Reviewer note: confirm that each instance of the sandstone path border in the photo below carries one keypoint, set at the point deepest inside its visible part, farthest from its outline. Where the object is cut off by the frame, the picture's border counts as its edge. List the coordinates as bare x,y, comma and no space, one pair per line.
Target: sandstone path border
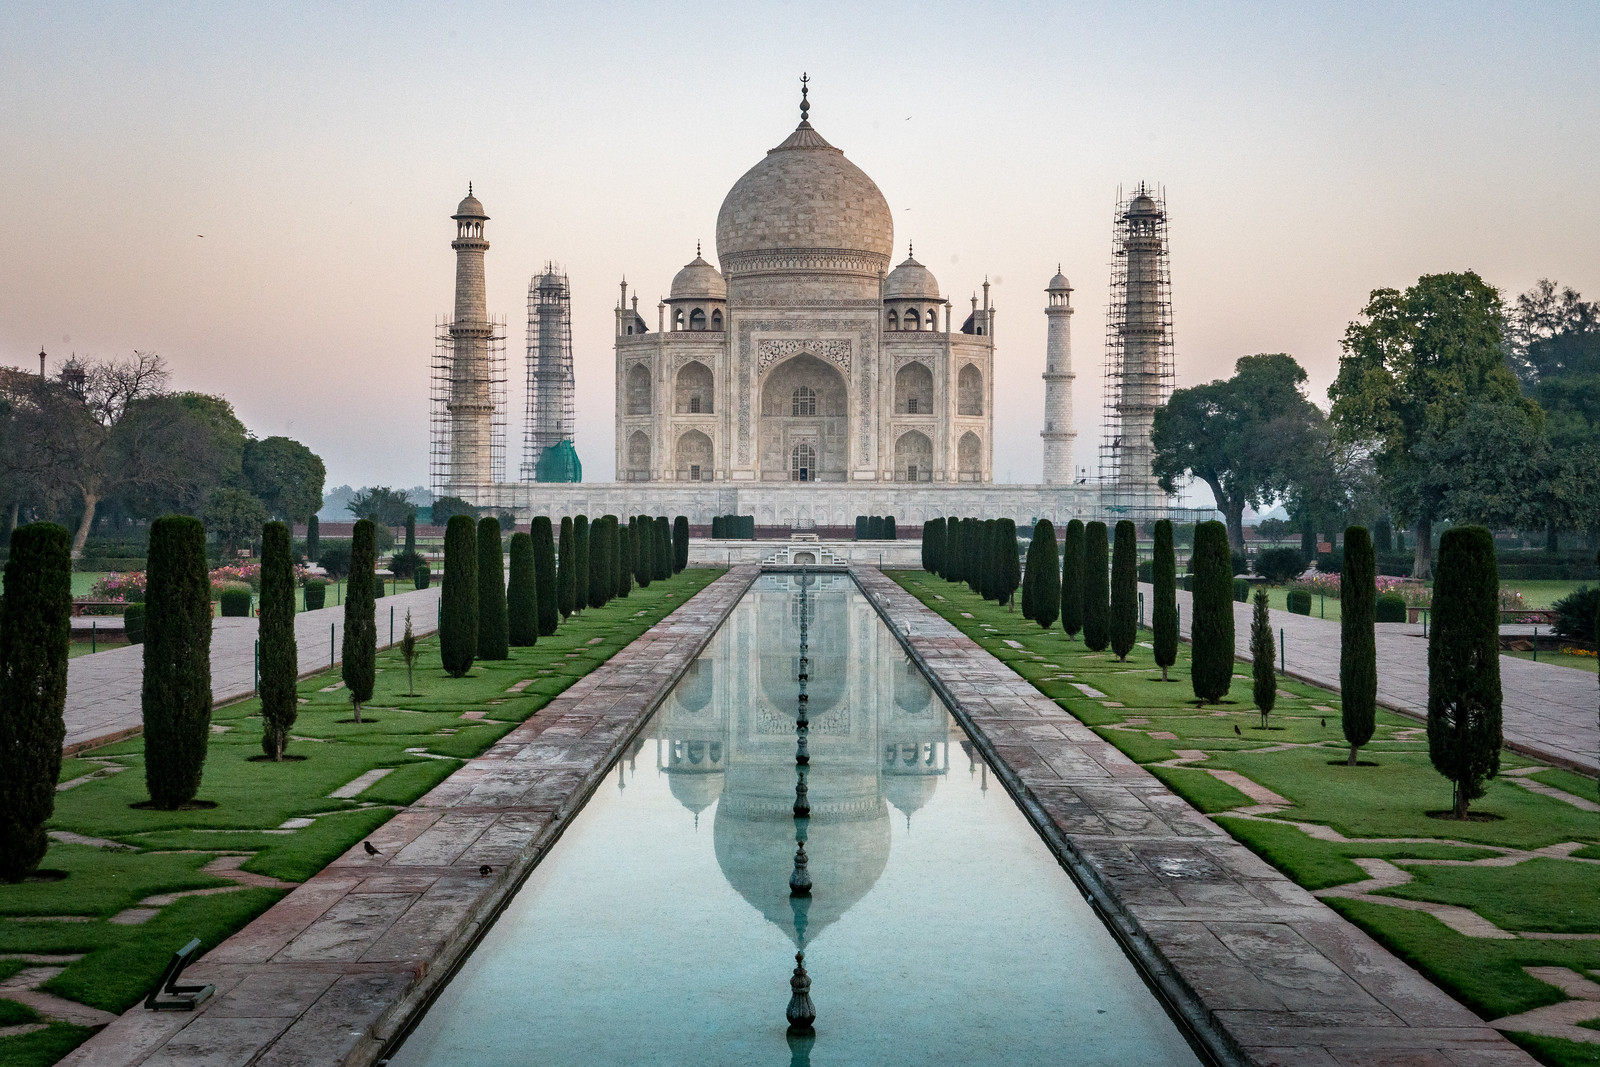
336,969
1263,972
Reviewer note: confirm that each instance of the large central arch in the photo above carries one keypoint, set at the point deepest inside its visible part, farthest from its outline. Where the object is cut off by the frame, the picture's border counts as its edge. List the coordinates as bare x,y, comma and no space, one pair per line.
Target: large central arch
804,405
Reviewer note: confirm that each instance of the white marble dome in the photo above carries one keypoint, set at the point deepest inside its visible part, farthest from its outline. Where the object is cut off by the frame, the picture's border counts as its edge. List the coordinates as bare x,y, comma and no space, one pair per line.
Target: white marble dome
911,281
469,208
699,280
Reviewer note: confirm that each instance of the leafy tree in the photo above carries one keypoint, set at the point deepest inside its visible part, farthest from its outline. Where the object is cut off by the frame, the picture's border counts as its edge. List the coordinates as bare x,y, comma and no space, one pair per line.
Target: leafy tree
680,543
1072,579
1358,649
493,632
1124,589
176,695
284,475
334,557
583,567
1263,650
234,516
1464,664
446,508
1164,590
1412,368
566,579
278,656
384,506
1278,565
35,639
169,452
1096,589
522,595
1272,529
1211,627
1241,436
544,570
360,654
458,597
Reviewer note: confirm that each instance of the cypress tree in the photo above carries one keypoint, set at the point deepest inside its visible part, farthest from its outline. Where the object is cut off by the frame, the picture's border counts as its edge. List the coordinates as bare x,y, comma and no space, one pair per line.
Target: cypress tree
1164,587
663,552
582,570
941,539
1029,573
1072,579
1008,561
1124,589
176,696
1464,664
1211,628
1358,647
279,657
360,666
1047,587
927,544
458,597
623,574
566,582
544,572
494,635
955,549
1096,588
522,595
599,553
411,533
644,566
35,644
680,543
313,537
986,560
1263,650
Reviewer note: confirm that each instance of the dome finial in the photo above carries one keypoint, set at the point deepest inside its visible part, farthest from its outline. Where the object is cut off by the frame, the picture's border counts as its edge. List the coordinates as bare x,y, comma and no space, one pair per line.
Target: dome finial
911,249
697,250
805,105
469,188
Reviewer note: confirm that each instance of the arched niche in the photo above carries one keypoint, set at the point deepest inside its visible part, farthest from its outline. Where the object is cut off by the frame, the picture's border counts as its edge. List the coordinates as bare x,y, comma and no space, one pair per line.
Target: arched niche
638,457
969,391
913,390
638,389
693,390
913,458
694,457
969,457
804,402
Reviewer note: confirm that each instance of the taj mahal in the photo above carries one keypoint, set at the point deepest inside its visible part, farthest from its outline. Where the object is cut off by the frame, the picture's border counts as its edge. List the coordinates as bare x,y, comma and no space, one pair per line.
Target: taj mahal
805,378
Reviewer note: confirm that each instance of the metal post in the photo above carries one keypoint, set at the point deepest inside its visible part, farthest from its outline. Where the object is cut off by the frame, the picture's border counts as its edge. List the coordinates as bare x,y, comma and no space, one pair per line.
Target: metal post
257,687
94,625
1322,605
391,625
330,644
1141,609
1283,654
1536,644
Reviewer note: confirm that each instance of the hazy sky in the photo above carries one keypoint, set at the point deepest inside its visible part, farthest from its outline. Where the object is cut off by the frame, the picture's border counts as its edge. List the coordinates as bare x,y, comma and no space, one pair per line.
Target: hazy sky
1310,153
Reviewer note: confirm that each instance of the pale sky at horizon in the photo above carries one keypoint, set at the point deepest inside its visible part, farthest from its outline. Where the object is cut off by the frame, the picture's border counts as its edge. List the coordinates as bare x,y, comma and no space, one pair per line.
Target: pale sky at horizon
1310,153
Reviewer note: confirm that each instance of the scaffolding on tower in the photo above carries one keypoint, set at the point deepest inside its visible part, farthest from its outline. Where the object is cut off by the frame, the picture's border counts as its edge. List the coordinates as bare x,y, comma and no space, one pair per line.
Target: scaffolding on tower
447,381
548,453
1139,354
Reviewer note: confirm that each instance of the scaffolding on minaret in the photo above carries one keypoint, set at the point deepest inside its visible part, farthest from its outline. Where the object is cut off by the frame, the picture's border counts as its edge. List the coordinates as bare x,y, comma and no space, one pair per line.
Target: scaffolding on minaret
548,454
447,381
1138,368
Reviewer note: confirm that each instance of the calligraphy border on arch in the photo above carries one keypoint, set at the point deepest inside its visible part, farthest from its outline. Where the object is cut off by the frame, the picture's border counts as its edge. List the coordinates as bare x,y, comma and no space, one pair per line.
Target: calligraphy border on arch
770,350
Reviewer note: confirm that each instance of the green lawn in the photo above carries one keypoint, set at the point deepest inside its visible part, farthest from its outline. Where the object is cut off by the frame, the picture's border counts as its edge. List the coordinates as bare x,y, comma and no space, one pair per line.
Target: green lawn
1542,594
1561,659
1381,811
421,739
1322,607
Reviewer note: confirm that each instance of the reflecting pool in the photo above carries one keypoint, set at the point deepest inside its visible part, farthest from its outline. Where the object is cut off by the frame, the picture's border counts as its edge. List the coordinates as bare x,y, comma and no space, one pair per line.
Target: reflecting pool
661,928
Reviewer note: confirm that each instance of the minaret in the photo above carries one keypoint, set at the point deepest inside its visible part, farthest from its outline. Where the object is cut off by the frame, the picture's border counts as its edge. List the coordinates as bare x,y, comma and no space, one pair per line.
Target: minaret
1143,331
471,398
1059,438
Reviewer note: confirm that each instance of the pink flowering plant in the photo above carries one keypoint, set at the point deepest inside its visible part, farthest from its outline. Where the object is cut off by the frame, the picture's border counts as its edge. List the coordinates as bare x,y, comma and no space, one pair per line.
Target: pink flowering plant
125,588
1318,584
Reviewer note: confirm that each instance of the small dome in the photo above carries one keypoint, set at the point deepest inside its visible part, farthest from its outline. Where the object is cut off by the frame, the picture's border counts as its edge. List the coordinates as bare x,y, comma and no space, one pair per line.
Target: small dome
1143,205
911,281
699,280
1059,284
470,207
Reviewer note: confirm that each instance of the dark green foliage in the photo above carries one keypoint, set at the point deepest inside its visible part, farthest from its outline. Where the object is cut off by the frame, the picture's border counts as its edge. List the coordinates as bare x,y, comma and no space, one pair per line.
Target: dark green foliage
975,554
680,543
235,603
1028,574
1164,587
360,653
378,583
1390,607
627,557
955,548
1241,591
316,593
1279,565
566,571
600,553
933,528
644,562
988,561
890,532
1464,664
422,576
544,573
494,635
35,638
1211,629
1299,601
334,556
458,599
279,658
133,623
1358,649
1007,559
313,536
1124,589
663,552
522,595
1308,545
1263,650
1096,588
862,533
1382,536
411,532
582,570
1046,575
1147,571
1575,614
1072,579
176,696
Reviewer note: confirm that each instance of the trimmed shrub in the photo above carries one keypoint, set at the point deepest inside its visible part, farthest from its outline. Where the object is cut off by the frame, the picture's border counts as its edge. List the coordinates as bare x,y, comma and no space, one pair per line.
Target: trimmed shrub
405,564
544,574
176,694
1211,629
522,595
1147,571
334,556
600,553
1358,648
235,601
930,551
1072,579
566,580
421,576
360,666
663,553
1007,562
1575,614
494,634
1263,650
1164,588
316,593
313,537
644,563
458,598
1047,581
133,623
1389,607
279,656
35,644
582,566
680,543
378,585
627,556
1299,601
1124,589
890,533
1464,664
988,572
975,556
955,547
1278,565
1241,591
1096,588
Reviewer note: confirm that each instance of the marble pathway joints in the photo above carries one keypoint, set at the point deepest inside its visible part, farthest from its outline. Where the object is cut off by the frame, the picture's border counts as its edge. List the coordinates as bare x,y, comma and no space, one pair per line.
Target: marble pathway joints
1263,971
1548,711
333,971
103,689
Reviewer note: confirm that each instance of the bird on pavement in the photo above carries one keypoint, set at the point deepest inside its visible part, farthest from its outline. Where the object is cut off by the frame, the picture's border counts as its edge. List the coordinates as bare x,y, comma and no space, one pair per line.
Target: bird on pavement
485,870
371,851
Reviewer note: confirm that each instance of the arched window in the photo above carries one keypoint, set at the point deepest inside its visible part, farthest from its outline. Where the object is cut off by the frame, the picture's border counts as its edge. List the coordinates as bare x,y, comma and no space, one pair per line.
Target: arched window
677,320
638,457
802,463
716,321
969,391
697,319
969,458
894,319
933,319
912,321
804,402
638,390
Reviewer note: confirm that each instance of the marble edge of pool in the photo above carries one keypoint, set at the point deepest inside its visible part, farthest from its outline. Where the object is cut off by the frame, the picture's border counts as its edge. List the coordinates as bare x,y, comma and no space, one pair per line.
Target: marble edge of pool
1255,968
340,967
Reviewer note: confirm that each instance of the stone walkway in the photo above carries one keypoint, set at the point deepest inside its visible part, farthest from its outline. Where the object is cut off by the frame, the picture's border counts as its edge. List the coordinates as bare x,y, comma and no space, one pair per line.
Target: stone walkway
1261,970
1548,711
334,971
103,689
